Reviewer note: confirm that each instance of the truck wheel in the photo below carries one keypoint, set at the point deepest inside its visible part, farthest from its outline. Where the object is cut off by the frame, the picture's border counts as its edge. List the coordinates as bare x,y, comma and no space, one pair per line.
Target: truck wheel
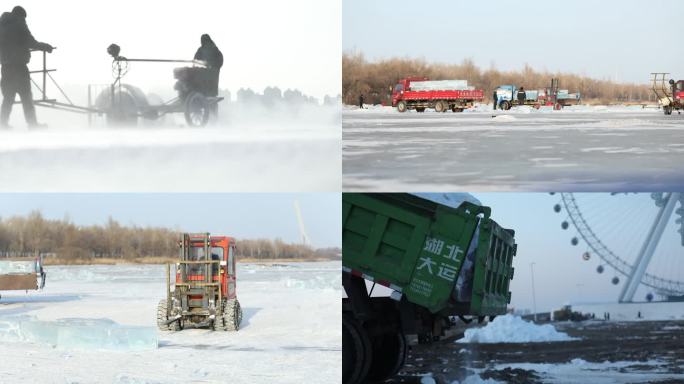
163,317
505,105
456,110
401,106
420,109
356,351
558,106
667,109
389,355
440,107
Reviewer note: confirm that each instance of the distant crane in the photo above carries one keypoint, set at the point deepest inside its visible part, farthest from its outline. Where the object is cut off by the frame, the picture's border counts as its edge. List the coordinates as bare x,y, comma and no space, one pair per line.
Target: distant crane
300,220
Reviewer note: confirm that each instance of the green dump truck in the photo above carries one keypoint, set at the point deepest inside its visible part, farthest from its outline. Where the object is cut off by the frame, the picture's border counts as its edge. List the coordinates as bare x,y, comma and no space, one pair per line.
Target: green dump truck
439,263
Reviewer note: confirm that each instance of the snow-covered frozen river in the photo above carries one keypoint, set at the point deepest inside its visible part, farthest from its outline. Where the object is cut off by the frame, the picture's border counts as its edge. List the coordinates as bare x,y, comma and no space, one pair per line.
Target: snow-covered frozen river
247,153
578,149
290,330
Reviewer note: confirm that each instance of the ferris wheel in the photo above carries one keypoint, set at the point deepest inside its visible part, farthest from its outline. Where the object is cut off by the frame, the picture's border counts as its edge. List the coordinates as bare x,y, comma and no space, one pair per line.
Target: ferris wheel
636,236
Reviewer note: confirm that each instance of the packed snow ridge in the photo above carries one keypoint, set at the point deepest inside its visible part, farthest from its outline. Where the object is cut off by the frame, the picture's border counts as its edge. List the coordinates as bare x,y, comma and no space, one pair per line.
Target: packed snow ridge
513,329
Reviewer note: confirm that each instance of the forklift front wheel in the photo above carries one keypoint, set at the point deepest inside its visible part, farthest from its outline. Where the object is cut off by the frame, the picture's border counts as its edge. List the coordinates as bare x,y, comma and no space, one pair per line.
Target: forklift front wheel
163,318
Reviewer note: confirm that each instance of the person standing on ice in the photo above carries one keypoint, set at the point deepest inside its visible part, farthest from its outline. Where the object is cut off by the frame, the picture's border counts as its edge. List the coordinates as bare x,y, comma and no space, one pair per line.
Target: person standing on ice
361,101
495,99
16,43
521,96
209,53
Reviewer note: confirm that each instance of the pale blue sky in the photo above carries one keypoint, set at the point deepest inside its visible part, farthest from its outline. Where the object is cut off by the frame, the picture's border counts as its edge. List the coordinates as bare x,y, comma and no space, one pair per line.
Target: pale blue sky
257,215
623,39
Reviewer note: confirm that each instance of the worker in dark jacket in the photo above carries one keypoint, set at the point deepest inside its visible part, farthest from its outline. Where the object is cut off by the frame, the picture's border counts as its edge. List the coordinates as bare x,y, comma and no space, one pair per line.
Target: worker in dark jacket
16,43
521,96
209,53
495,99
361,101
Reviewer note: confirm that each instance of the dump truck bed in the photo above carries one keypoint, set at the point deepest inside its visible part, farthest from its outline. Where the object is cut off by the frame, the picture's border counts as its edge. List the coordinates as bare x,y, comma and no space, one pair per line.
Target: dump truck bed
450,261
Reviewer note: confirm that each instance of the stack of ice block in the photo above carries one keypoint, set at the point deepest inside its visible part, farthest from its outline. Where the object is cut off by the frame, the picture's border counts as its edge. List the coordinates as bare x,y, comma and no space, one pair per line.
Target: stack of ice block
81,334
440,85
18,267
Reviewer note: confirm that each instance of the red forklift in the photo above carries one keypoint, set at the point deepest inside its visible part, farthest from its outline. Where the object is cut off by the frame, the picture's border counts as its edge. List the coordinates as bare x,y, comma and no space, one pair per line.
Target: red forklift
202,292
670,95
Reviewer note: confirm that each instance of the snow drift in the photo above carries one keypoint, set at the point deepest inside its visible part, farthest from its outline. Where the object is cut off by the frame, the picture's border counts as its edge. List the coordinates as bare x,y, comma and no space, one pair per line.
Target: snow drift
513,329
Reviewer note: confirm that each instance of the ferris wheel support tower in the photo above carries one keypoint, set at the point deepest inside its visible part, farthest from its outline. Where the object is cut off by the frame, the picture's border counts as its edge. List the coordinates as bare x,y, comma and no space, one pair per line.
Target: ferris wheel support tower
648,248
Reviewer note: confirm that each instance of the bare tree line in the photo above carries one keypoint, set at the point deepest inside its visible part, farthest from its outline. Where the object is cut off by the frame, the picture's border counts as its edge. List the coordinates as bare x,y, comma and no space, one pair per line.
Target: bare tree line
28,236
373,79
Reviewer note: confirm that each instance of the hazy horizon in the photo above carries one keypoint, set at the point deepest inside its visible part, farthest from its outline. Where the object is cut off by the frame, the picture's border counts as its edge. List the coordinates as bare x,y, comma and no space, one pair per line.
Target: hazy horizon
622,41
241,215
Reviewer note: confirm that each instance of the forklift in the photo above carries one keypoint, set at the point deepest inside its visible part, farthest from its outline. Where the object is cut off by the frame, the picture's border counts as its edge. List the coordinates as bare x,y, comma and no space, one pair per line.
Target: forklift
202,291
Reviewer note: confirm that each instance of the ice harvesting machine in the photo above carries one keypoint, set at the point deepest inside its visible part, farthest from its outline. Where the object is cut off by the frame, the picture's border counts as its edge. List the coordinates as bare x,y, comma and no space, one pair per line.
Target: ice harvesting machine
22,274
201,289
670,94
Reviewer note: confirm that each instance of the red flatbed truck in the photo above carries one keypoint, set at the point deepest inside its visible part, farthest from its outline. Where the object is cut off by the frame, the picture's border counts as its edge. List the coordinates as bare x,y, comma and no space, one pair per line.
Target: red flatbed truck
404,98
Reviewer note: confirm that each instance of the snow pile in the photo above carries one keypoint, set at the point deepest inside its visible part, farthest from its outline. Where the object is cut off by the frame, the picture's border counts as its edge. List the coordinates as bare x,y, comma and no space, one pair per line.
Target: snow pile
513,329
80,334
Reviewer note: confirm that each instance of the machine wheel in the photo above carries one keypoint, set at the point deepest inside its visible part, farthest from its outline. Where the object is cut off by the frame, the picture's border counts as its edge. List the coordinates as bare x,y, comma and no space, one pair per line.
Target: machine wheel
389,355
667,109
420,109
357,354
197,110
557,106
505,105
440,106
231,318
401,106
162,317
456,110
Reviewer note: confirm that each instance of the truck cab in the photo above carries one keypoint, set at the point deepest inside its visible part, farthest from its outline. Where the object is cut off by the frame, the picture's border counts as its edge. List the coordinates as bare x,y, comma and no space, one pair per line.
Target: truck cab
402,86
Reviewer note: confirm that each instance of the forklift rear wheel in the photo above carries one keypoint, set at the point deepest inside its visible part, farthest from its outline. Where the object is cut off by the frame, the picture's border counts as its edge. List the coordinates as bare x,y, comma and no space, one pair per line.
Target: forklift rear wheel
356,351
401,106
163,317
389,355
197,110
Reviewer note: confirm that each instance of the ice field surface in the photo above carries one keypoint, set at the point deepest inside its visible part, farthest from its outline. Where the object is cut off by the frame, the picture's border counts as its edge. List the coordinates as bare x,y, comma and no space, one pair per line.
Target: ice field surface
248,150
290,331
579,148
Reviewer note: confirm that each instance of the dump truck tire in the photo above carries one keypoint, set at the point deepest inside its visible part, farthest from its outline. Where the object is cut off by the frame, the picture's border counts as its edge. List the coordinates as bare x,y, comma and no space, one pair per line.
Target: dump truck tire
231,318
420,109
357,353
162,318
440,106
456,110
389,355
401,106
